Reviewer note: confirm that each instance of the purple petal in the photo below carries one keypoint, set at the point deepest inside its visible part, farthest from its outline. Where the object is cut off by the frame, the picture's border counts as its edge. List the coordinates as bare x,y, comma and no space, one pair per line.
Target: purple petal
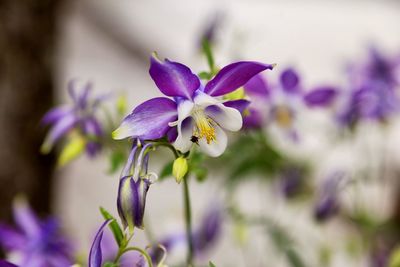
149,120
172,134
92,127
240,104
55,114
290,81
322,96
95,255
58,130
11,239
254,119
173,79
129,163
83,96
4,263
26,219
256,87
233,76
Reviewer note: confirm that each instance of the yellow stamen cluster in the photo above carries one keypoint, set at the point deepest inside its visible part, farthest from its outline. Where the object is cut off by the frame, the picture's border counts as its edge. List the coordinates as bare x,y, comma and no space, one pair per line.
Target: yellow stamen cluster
204,126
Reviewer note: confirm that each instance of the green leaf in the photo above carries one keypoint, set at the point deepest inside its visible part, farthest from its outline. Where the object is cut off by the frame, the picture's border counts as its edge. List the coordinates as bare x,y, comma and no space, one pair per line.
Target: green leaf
117,159
294,258
200,173
114,227
166,171
204,75
211,264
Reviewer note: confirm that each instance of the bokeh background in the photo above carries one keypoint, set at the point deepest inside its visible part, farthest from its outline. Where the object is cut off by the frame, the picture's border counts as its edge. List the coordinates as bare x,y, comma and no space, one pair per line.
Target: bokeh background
44,44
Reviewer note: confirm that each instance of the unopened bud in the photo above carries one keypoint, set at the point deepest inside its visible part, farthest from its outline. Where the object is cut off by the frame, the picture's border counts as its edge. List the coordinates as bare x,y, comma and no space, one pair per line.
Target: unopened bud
179,169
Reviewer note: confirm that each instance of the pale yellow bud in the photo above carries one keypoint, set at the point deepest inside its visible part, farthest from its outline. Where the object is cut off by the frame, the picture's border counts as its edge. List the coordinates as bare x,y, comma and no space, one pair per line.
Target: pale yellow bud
179,169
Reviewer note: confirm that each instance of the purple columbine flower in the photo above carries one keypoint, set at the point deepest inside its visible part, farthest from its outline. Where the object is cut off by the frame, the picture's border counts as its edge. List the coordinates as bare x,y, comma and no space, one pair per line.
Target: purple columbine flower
279,103
34,243
134,183
80,116
373,90
197,114
328,204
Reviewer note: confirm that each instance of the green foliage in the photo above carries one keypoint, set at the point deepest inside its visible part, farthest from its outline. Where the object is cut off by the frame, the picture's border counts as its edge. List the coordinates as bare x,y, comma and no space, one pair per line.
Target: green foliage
284,243
211,264
114,227
166,171
117,160
257,156
395,258
196,166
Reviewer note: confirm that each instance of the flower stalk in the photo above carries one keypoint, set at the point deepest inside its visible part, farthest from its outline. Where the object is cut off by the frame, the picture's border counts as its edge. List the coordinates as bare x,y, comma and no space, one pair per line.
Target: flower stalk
188,221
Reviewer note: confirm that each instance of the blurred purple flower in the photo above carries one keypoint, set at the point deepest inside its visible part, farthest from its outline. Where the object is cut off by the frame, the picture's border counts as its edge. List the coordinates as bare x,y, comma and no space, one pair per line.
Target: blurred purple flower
197,114
328,204
373,92
34,243
80,116
279,103
205,235
210,29
133,187
292,181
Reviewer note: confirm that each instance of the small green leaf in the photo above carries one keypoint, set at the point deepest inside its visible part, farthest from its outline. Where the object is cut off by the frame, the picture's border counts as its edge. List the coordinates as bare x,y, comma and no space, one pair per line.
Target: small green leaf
114,226
204,75
117,159
166,171
200,173
211,264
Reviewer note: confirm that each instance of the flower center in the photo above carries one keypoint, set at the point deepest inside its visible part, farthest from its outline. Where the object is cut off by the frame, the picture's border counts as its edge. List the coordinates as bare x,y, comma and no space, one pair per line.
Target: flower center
204,126
283,116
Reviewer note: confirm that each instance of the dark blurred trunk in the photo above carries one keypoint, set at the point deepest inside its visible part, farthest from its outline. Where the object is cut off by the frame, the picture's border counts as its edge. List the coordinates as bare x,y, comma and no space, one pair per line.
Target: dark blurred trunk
27,44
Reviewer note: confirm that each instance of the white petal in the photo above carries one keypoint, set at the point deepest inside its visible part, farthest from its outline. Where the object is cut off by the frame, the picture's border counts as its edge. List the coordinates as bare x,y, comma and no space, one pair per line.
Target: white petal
228,118
203,100
185,131
217,147
184,109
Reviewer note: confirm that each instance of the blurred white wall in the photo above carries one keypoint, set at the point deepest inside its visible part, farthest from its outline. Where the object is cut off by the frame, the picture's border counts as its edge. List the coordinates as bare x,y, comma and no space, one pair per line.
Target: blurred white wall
315,36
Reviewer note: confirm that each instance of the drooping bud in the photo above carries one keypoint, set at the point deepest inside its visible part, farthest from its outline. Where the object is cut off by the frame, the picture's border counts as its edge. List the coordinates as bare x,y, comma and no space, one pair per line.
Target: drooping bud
133,187
179,169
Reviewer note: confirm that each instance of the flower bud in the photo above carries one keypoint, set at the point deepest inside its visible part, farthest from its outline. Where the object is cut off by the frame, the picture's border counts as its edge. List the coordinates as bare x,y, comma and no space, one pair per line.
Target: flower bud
179,169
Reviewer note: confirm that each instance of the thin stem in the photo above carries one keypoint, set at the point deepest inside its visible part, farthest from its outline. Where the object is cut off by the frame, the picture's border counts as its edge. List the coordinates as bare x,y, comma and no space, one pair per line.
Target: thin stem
141,251
188,221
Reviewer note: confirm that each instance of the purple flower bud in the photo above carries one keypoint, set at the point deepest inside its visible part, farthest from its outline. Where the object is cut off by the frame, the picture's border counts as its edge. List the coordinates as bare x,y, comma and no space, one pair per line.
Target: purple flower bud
133,187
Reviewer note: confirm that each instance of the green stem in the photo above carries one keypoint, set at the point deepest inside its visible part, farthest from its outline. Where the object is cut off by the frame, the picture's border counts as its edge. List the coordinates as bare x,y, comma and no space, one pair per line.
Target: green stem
141,251
188,221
